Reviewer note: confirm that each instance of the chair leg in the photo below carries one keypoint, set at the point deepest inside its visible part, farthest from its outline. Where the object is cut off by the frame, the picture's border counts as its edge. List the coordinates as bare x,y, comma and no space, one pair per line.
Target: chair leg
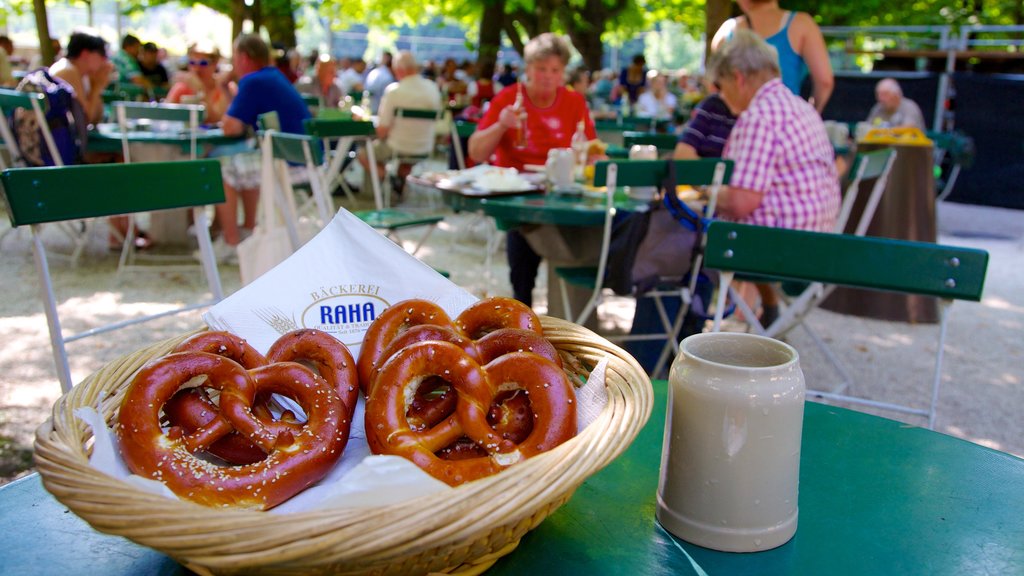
724,279
209,260
60,355
937,379
566,305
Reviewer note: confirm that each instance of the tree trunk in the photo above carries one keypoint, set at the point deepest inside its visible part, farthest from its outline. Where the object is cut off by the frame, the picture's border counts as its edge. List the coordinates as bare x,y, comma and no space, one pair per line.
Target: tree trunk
512,33
43,29
237,18
718,11
585,27
490,34
280,22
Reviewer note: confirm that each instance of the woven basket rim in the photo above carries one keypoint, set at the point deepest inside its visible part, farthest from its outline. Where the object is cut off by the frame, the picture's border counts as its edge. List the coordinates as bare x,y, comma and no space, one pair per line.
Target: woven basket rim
420,535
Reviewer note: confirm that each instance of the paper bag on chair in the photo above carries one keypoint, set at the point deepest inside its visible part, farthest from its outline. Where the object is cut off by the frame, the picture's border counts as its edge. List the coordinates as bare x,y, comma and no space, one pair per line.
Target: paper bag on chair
262,251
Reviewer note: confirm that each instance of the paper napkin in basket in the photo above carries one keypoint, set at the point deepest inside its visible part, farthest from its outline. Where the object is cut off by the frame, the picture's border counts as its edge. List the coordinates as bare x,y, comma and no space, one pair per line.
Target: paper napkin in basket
338,283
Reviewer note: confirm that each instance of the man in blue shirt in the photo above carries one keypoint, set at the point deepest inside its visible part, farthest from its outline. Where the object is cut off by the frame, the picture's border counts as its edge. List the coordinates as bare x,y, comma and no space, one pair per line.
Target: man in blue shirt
262,88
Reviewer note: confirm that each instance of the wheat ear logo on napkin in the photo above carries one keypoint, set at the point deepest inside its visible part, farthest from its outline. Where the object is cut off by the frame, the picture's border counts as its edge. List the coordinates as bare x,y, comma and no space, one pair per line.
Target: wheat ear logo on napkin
339,282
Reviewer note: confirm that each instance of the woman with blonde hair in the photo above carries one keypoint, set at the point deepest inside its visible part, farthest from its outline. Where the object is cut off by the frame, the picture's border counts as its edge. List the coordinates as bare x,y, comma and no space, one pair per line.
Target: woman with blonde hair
201,85
797,40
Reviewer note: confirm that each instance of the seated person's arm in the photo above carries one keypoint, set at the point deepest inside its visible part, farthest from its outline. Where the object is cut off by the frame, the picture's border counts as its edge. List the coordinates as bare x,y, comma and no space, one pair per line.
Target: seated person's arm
232,126
684,151
483,142
738,203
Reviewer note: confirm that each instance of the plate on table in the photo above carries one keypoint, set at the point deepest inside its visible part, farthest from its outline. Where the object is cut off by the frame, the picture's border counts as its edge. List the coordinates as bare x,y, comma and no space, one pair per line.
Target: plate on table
491,181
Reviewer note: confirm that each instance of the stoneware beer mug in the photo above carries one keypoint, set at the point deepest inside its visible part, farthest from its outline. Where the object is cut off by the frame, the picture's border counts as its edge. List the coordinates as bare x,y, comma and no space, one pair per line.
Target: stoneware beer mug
559,168
730,462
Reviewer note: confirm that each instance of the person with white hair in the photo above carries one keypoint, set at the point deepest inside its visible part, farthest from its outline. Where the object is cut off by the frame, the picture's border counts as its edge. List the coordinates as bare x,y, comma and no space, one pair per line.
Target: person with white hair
411,90
893,110
656,101
784,174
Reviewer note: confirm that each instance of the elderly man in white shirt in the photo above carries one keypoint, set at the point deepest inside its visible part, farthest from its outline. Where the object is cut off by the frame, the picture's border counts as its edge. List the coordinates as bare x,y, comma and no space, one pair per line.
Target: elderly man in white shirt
410,136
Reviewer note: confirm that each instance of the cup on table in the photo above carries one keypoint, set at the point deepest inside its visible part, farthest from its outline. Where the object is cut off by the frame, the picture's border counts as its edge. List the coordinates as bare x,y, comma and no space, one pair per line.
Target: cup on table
730,462
559,168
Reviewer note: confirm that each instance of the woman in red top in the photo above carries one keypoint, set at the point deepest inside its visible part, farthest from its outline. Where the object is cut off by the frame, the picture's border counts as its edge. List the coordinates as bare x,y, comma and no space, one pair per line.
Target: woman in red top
552,112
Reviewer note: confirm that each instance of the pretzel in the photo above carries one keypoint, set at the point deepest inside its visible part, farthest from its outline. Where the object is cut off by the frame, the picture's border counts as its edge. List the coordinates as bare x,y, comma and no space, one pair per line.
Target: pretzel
294,460
401,323
193,409
389,430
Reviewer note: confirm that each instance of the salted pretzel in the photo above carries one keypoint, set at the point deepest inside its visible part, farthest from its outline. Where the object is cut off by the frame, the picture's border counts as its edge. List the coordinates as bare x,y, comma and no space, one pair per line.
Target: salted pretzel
400,323
389,430
192,409
293,460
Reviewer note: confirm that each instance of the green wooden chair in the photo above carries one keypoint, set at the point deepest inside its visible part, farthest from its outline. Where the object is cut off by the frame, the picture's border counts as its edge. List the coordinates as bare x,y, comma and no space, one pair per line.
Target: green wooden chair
801,298
947,272
461,129
402,161
711,172
665,143
10,101
305,148
282,149
36,196
338,135
129,116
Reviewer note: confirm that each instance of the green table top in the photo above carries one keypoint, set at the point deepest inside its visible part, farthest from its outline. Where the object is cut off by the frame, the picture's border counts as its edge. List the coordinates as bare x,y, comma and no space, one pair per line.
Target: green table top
556,209
876,497
107,138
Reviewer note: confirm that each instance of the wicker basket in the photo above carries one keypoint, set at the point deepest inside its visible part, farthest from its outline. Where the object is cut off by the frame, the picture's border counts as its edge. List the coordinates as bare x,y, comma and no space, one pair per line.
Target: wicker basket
465,533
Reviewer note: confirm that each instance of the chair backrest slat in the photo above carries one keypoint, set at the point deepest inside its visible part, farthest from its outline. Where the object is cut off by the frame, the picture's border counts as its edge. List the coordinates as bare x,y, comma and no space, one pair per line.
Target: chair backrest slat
848,260
39,195
417,113
700,172
663,142
338,128
291,147
11,99
874,162
154,111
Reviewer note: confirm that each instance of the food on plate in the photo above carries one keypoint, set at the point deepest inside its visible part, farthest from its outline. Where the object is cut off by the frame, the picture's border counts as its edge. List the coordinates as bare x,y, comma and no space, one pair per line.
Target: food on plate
464,399
296,452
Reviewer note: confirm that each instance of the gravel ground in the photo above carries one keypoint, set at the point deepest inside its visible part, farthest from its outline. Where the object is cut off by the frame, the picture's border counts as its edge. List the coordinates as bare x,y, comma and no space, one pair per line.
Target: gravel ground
982,385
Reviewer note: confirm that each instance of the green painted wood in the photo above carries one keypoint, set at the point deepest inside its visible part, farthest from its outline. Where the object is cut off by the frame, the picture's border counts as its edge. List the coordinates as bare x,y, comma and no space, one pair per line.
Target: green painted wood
396,219
631,123
862,262
875,161
876,497
338,128
465,129
269,121
107,138
155,111
54,194
416,113
664,142
290,147
699,172
560,210
11,99
310,99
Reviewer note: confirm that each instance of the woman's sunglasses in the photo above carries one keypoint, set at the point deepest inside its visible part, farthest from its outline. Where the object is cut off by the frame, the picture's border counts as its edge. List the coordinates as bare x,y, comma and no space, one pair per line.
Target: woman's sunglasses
202,63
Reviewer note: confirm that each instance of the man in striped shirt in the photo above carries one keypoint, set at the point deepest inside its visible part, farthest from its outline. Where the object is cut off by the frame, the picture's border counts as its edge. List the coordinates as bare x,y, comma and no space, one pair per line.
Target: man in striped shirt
785,174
